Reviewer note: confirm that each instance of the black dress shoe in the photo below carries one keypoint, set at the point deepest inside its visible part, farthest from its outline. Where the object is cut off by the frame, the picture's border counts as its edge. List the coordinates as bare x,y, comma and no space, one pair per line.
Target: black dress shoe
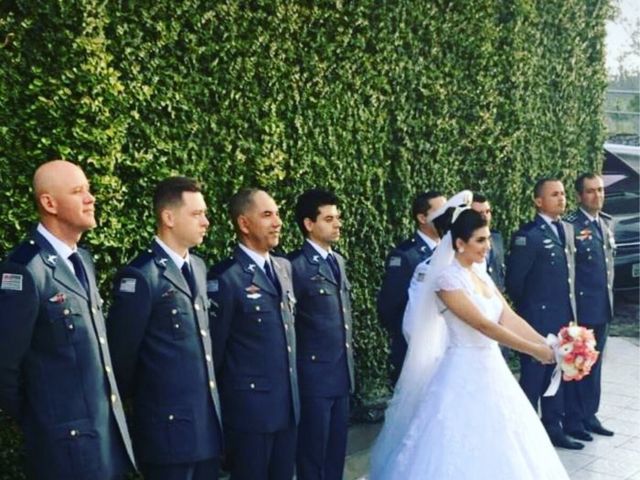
580,435
561,440
599,429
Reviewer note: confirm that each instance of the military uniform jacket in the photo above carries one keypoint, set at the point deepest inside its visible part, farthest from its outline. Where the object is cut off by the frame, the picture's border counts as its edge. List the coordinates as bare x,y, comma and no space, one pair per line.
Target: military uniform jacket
323,325
254,344
55,368
594,268
399,267
495,262
161,347
540,276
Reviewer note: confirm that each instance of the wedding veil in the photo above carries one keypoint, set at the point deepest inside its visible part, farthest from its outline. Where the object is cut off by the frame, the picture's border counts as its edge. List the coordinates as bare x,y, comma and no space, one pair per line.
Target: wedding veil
426,332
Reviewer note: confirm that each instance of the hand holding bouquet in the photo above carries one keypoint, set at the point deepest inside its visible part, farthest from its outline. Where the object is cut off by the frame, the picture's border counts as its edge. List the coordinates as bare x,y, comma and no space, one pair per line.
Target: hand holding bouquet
575,349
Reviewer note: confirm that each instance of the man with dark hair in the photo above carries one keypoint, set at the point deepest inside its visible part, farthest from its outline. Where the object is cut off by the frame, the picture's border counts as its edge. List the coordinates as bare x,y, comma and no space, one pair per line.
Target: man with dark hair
55,369
161,346
254,344
323,332
539,280
495,257
595,247
399,266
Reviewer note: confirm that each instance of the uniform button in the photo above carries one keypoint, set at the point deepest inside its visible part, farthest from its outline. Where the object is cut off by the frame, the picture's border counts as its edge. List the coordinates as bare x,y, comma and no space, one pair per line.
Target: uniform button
288,348
114,398
581,293
321,291
203,332
566,251
259,320
490,269
571,295
170,417
553,254
196,306
569,280
74,433
70,326
93,309
253,385
212,384
346,327
108,369
286,327
257,308
290,369
544,307
208,357
588,249
102,340
313,357
176,325
347,344
66,311
174,312
31,242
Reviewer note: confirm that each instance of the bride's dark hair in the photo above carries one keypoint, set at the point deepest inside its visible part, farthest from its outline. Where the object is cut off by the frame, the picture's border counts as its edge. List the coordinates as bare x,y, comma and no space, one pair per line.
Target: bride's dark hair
467,222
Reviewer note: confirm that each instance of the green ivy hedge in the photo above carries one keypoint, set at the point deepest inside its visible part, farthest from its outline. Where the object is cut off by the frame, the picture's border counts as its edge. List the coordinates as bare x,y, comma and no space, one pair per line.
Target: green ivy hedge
376,100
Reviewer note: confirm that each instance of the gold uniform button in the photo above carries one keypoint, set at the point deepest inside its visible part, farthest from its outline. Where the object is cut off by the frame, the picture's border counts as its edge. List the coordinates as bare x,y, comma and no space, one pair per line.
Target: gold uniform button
174,312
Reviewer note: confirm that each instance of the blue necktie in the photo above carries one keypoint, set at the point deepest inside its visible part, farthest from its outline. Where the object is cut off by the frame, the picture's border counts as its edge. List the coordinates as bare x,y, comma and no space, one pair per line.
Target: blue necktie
186,273
271,276
335,269
80,272
558,225
597,227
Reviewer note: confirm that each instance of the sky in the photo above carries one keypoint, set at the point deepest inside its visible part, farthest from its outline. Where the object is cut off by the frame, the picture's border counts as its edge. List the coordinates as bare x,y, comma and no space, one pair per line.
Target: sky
619,36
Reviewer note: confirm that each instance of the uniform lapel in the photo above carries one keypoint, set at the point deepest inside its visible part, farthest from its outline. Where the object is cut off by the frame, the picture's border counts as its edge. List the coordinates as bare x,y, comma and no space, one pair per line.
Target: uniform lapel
421,246
60,270
258,277
314,258
169,269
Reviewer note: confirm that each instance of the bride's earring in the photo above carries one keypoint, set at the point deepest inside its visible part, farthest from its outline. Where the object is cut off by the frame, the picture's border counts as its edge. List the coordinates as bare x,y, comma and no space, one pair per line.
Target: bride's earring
461,250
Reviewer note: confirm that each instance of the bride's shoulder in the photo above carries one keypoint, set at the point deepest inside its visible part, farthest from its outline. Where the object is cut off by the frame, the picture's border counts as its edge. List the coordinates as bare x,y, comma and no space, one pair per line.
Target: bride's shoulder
451,278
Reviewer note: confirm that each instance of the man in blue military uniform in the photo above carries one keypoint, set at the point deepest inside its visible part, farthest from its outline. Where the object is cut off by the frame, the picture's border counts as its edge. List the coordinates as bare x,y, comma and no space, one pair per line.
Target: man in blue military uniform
324,342
399,267
55,370
595,247
495,257
161,346
254,345
540,271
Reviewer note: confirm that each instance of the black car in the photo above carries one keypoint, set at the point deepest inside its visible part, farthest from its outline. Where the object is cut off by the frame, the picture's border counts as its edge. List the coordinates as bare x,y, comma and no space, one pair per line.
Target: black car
621,173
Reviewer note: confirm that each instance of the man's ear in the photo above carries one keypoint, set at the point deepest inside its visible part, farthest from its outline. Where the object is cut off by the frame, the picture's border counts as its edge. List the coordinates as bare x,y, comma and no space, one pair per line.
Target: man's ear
48,203
243,224
308,224
167,217
537,201
422,219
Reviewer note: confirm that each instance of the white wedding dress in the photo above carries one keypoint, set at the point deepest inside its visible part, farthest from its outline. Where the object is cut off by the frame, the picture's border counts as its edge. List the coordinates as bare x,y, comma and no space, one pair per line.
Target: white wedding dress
472,421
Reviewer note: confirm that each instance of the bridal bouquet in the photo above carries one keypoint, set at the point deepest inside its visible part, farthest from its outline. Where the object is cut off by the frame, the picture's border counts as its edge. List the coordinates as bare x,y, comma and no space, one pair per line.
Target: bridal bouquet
575,349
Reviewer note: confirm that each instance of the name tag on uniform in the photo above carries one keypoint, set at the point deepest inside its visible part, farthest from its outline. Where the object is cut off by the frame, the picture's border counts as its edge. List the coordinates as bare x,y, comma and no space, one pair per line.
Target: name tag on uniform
395,261
11,281
128,285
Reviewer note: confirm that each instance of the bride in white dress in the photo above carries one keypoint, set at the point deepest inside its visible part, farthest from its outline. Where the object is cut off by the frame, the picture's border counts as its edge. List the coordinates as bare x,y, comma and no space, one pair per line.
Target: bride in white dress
457,412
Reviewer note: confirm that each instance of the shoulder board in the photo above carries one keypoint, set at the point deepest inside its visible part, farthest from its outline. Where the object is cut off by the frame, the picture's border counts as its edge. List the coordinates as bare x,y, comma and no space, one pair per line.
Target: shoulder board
527,227
142,259
24,252
221,267
571,217
408,244
295,254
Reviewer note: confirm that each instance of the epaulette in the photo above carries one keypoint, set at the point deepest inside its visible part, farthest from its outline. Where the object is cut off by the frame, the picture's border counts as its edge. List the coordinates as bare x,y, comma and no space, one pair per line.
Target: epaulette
295,254
527,226
571,217
142,259
221,267
407,244
24,252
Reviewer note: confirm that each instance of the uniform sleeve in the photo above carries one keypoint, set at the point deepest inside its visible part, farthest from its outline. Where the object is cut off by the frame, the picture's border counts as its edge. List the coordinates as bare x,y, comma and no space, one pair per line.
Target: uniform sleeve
19,302
521,258
220,315
393,294
126,324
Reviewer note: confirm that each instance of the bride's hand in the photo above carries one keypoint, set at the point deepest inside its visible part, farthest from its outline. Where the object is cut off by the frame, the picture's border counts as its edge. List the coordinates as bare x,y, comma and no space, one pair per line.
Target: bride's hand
544,354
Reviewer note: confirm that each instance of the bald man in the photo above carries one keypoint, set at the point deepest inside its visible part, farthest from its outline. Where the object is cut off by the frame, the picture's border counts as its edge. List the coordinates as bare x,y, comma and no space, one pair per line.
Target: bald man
55,371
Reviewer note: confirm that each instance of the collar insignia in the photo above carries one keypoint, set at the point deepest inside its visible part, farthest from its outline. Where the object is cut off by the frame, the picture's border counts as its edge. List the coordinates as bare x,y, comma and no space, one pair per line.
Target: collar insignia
163,261
52,259
252,267
315,258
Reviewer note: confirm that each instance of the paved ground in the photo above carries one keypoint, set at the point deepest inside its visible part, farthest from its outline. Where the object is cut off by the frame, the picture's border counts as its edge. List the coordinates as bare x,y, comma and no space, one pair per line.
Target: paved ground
605,458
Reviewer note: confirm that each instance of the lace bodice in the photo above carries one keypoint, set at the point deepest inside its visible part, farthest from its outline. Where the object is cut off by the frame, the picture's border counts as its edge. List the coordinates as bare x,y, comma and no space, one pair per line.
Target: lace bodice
456,277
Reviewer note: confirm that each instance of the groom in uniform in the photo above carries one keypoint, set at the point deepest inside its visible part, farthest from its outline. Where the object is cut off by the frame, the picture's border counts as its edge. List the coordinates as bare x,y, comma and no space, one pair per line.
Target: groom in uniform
254,344
161,345
324,336
55,369
399,267
595,247
539,280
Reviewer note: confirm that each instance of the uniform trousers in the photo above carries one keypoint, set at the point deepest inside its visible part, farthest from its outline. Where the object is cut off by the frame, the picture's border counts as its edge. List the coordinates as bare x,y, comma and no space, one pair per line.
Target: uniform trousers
204,470
322,437
534,380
